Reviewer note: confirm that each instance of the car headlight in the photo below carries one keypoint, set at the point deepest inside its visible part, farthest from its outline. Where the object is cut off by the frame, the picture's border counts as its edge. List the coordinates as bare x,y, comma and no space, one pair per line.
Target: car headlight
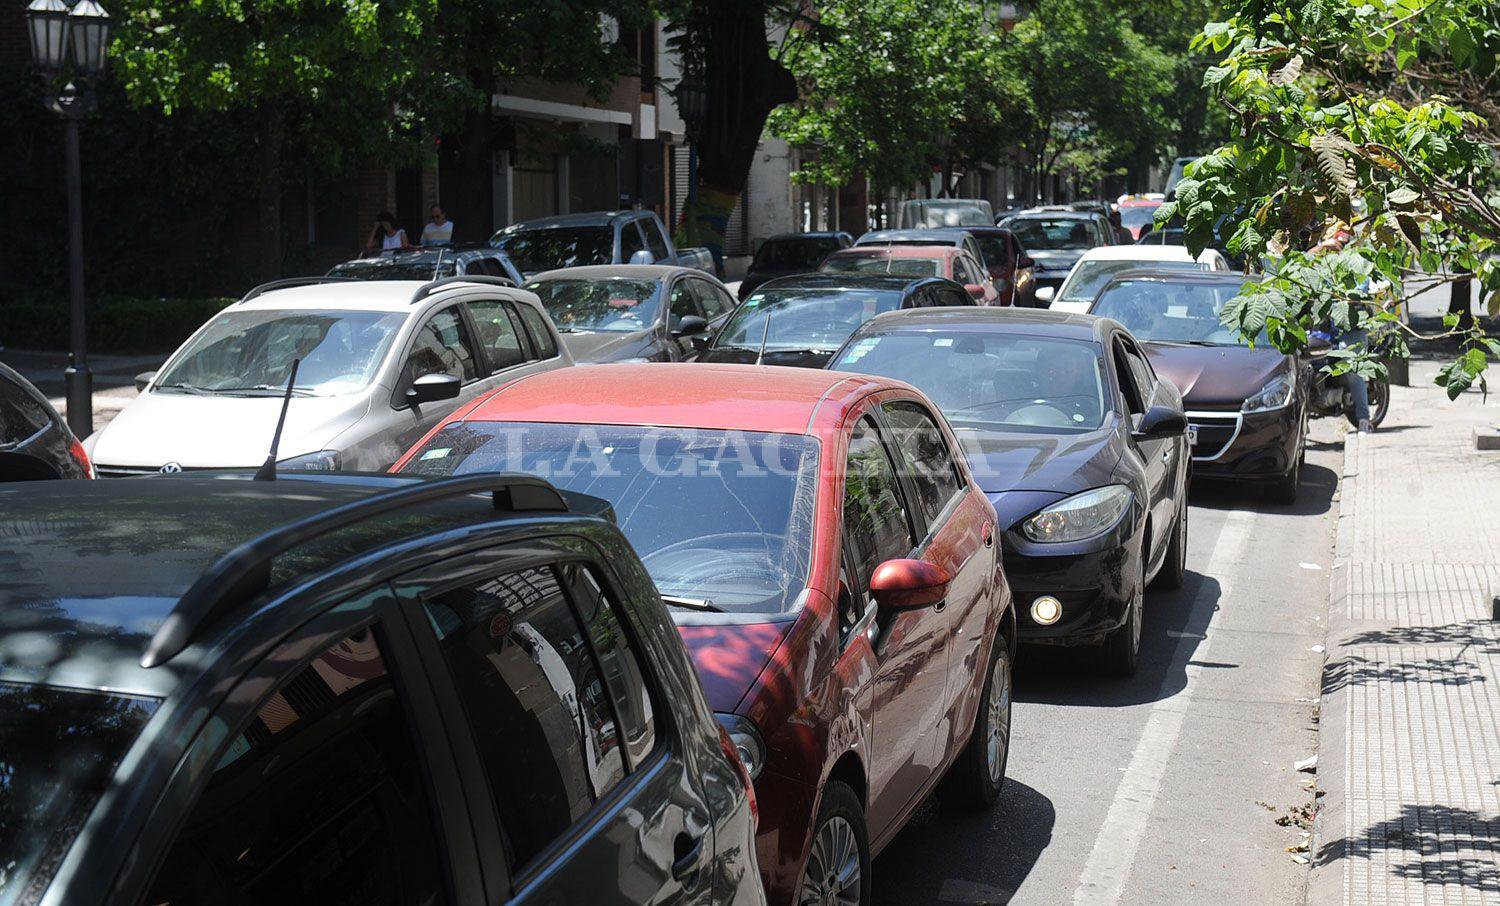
1276,393
747,742
1080,516
321,461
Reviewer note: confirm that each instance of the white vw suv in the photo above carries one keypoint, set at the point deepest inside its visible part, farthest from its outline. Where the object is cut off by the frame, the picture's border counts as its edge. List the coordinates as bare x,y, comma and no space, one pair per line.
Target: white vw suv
381,364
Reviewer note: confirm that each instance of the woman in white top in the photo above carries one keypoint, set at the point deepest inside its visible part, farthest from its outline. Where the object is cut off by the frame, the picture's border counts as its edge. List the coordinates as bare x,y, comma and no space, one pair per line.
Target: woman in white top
386,237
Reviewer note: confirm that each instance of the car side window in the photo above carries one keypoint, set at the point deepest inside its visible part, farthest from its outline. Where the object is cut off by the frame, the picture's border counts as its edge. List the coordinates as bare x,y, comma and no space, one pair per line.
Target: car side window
683,302
876,528
623,675
714,300
20,414
655,240
925,457
630,241
536,328
948,295
535,701
1129,387
321,799
498,334
443,346
1145,378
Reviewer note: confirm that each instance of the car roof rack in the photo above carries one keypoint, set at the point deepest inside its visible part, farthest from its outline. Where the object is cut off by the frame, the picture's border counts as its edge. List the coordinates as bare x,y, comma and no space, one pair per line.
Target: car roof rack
290,282
245,571
428,289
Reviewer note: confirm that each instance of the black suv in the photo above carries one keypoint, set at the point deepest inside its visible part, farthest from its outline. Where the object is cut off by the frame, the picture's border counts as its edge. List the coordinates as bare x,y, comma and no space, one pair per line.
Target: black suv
349,689
35,442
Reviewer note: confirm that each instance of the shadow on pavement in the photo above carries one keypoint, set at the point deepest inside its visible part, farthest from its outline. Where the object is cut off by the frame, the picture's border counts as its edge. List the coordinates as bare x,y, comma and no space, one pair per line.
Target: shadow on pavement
935,858
1314,497
1437,845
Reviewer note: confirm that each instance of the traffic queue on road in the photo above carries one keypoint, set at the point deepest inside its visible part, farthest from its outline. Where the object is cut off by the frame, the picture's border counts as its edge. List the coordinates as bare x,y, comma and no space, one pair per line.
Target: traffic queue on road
608,586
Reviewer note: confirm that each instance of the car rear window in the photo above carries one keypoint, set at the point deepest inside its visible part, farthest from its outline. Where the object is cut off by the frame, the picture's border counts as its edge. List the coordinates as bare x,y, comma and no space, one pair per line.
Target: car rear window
58,749
20,414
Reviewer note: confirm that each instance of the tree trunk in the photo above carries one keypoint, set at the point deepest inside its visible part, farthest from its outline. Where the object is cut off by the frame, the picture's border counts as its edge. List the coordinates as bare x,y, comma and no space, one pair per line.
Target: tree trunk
470,203
744,85
1460,302
270,141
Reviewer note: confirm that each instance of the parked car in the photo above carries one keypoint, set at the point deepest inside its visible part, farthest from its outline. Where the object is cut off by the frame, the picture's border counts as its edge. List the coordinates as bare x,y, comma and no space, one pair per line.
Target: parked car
788,254
1175,176
598,237
1056,239
1247,406
380,363
35,442
1097,266
633,312
435,263
948,261
927,213
829,563
801,320
1009,267
1080,447
960,238
222,690
1138,211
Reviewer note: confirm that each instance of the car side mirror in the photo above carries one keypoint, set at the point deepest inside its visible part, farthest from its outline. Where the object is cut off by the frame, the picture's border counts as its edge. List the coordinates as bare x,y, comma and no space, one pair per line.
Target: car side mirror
903,584
690,326
1045,293
430,388
643,256
143,380
1160,422
976,291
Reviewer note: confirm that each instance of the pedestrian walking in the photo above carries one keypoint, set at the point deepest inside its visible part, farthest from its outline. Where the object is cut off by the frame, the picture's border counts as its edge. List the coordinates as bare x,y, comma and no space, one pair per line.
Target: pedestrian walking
386,237
439,229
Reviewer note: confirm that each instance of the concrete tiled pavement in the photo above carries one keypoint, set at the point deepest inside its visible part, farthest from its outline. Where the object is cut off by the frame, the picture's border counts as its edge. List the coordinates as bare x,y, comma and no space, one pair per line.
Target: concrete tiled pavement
1409,742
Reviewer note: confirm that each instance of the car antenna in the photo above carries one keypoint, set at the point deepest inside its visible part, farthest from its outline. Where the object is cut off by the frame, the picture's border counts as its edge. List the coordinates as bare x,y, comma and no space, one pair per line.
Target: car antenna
267,470
437,268
764,335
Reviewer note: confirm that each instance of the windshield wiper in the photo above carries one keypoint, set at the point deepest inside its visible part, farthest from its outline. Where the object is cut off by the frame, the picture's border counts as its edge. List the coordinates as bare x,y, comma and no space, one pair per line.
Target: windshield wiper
703,604
185,388
268,389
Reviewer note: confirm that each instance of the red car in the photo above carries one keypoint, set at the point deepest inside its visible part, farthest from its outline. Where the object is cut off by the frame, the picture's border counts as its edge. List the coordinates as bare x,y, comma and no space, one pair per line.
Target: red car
829,562
916,261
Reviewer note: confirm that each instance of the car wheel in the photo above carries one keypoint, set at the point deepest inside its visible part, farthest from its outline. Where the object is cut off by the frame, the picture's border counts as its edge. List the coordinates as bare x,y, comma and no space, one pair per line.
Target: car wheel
838,862
974,780
1121,653
1174,568
1284,489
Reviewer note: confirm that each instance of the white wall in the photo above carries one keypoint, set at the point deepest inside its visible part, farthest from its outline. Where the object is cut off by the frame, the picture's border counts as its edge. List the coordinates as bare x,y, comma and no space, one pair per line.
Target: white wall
771,190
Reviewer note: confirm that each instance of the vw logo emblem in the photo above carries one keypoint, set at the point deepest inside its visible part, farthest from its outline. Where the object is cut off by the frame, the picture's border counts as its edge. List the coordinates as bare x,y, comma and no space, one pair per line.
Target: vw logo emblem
171,468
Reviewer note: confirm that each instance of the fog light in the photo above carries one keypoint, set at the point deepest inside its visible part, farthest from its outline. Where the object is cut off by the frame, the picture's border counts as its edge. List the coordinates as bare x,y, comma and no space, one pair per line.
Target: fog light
1046,610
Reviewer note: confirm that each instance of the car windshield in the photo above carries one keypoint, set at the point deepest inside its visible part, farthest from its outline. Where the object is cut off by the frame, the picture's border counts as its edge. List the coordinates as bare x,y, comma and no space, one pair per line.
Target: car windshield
721,519
1137,215
793,254
1166,312
405,267
1088,277
992,381
250,353
883,264
58,750
534,251
803,318
611,304
1043,233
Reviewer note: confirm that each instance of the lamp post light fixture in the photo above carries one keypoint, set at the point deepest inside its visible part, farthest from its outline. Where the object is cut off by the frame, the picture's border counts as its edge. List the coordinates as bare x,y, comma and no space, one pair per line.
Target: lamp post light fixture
79,34
692,104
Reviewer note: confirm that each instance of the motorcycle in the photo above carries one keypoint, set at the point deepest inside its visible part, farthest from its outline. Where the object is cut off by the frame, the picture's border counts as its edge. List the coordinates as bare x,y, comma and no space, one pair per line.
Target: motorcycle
1328,396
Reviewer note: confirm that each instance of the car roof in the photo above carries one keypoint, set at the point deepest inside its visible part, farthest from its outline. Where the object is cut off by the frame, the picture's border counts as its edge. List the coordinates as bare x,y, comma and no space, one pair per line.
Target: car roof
1038,321
563,221
898,251
1145,272
1142,253
1052,214
760,398
362,295
892,282
811,234
92,568
943,235
602,271
974,230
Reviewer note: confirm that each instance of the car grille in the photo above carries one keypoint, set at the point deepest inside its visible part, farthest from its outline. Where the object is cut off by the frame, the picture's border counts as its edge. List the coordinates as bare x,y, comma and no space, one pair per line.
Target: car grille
133,471
1216,431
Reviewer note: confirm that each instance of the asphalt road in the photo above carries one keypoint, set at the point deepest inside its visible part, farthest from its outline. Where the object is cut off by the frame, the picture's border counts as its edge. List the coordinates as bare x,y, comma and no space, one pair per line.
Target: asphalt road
1164,788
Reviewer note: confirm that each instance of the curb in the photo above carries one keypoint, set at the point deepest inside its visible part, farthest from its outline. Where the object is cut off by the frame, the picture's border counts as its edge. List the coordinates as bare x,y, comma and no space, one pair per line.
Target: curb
1326,883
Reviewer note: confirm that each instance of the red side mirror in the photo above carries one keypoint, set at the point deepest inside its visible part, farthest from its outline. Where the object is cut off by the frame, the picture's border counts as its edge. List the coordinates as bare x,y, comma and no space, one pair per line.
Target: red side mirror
908,584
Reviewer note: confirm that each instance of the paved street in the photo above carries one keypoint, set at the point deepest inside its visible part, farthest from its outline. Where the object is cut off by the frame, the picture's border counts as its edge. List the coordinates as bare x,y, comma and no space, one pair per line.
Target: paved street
1165,788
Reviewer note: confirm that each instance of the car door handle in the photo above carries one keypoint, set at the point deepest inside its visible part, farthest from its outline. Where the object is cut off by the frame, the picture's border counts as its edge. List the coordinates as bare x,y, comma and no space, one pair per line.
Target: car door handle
689,852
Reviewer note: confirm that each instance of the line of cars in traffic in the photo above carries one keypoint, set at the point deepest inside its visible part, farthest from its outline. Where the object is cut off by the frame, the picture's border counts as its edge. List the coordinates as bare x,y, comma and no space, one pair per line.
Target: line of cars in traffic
616,625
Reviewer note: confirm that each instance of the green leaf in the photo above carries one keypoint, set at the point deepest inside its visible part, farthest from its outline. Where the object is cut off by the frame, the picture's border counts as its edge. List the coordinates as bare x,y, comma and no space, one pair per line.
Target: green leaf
1461,44
1402,197
1331,153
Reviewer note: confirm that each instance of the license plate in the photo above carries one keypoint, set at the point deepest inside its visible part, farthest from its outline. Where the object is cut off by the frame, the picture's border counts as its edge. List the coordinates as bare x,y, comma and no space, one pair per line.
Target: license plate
1192,435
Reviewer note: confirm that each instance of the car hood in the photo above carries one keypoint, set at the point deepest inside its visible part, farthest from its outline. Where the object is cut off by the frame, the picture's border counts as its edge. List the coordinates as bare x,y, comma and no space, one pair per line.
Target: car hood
1021,472
199,432
1215,376
729,657
1056,259
799,358
606,346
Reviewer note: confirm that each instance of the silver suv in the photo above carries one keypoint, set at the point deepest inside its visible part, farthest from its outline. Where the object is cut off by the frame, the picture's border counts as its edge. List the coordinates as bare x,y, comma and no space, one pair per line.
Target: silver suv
380,363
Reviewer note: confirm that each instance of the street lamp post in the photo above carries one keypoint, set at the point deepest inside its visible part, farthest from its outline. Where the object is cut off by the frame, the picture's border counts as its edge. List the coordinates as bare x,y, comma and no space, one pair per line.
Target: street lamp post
692,106
80,33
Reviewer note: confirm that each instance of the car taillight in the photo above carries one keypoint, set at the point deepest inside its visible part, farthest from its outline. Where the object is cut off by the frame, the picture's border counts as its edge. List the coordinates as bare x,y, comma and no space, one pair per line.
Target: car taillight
730,752
82,458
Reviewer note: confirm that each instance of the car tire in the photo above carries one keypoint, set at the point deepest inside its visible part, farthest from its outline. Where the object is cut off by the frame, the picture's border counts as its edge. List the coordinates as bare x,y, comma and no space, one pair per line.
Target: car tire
1120,655
974,780
838,857
1174,567
1284,489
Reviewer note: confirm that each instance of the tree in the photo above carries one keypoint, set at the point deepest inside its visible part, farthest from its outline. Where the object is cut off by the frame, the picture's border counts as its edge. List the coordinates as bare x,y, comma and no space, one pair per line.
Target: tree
1366,116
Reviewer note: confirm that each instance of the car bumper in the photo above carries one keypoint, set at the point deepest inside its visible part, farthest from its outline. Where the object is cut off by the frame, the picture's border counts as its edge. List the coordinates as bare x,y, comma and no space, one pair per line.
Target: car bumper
1256,446
1093,581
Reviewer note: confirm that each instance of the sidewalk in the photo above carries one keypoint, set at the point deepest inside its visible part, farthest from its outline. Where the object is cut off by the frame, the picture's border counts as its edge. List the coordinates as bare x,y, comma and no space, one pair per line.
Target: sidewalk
1409,739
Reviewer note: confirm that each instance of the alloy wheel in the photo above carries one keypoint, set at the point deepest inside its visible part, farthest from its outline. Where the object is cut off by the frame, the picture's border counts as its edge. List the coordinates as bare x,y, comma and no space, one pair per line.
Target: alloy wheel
832,876
998,744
